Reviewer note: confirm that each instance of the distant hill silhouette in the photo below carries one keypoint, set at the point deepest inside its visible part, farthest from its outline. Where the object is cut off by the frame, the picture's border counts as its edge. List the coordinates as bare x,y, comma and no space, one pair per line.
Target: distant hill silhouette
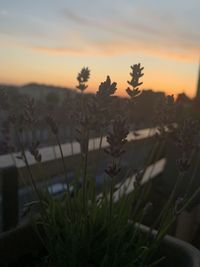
43,92
38,91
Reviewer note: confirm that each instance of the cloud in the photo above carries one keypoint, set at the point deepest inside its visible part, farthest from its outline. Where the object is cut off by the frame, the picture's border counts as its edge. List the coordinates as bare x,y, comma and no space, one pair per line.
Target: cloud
95,24
119,48
22,27
157,35
57,50
144,31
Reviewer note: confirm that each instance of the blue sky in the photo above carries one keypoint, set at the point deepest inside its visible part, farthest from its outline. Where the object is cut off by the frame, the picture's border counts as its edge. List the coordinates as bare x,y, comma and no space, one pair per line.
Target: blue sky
49,41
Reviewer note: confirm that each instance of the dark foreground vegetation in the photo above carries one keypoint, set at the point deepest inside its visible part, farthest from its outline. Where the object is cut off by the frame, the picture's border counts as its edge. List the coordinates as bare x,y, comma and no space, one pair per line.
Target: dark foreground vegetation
92,227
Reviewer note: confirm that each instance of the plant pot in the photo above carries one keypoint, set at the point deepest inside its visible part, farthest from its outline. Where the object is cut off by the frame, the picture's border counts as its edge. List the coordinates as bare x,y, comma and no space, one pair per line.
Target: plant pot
22,246
177,253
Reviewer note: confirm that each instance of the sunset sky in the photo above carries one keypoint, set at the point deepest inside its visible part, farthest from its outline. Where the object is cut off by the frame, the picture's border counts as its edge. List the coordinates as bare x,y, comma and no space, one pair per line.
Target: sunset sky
48,41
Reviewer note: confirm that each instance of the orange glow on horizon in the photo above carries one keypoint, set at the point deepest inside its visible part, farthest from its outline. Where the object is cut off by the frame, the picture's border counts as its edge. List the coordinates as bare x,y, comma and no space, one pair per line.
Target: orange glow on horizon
51,47
175,87
21,66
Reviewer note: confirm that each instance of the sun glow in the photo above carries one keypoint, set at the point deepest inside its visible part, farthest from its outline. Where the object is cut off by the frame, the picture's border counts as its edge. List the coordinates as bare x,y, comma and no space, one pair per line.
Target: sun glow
51,48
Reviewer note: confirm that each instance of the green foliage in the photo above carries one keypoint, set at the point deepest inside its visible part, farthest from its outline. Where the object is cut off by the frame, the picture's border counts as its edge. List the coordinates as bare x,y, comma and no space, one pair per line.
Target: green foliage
93,229
94,238
101,229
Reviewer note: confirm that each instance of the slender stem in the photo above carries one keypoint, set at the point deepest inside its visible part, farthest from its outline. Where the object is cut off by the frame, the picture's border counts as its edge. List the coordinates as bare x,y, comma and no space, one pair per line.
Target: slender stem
64,168
85,171
156,157
13,158
72,149
190,199
164,229
33,183
27,165
168,203
71,140
30,173
111,199
93,139
101,140
98,156
171,198
54,152
194,172
145,190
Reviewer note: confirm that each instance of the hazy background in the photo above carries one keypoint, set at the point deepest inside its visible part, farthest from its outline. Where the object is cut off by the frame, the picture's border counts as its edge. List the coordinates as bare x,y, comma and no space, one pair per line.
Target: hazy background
49,41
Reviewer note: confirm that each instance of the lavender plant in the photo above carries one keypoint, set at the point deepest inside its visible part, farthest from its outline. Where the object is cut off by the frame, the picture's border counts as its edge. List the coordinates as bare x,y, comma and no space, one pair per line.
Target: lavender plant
92,229
97,231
